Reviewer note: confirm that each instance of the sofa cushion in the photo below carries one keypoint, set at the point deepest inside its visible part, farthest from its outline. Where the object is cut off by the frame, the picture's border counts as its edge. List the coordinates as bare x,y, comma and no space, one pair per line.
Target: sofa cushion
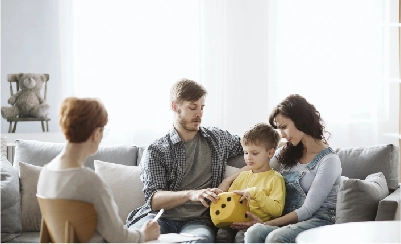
40,153
230,170
141,149
237,161
30,211
357,200
125,184
359,162
10,202
27,237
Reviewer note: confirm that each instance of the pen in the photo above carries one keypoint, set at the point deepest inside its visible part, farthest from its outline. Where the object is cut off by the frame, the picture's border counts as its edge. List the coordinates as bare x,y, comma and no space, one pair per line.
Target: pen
158,215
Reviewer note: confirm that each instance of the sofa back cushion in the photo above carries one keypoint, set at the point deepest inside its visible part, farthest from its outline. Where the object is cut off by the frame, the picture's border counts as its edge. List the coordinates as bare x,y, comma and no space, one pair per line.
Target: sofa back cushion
40,153
359,162
237,161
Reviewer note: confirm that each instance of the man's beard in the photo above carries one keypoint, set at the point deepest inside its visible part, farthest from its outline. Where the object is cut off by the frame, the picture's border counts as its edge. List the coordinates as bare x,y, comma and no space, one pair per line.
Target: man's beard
185,123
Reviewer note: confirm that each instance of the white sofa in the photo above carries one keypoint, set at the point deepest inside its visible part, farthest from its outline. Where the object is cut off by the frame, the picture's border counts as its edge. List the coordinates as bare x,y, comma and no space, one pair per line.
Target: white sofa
367,195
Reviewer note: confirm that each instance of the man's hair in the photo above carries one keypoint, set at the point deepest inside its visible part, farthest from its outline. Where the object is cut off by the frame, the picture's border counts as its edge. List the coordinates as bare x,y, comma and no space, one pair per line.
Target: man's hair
261,134
79,117
186,90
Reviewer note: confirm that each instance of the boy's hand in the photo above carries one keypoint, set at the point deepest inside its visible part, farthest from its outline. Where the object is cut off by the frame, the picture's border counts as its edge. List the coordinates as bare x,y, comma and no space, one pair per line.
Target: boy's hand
246,225
244,194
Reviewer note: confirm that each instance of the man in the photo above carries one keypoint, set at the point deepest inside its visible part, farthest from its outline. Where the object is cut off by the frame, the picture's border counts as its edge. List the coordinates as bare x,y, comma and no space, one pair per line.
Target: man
181,171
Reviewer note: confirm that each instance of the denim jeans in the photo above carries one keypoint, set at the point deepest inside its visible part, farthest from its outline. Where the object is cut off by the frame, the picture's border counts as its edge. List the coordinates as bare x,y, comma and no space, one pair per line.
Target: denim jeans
260,233
228,235
201,228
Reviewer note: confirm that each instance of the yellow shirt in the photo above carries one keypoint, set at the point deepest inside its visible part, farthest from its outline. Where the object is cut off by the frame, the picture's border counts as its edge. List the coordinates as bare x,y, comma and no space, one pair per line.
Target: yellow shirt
267,190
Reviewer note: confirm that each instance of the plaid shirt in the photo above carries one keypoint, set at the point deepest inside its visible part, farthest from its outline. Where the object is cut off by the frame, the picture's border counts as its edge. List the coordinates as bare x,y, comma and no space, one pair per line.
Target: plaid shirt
163,164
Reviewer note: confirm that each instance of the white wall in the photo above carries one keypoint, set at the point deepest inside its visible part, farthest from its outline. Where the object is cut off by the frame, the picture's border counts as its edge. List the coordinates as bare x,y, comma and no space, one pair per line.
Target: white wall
30,44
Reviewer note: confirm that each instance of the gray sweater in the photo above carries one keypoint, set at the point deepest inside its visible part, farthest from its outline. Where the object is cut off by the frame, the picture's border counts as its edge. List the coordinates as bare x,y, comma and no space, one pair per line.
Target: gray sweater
321,184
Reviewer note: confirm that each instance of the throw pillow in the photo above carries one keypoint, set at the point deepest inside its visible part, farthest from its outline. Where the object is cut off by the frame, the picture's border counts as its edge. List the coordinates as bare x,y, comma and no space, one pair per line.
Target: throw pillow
230,170
30,211
357,200
125,185
343,178
10,202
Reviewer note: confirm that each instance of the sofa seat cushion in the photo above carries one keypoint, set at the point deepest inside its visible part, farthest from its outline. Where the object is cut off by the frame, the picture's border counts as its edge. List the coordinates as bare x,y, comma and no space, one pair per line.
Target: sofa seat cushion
10,202
358,200
359,162
27,237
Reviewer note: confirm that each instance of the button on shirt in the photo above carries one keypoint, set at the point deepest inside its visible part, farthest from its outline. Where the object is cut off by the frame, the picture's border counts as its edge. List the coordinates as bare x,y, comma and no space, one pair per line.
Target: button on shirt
163,164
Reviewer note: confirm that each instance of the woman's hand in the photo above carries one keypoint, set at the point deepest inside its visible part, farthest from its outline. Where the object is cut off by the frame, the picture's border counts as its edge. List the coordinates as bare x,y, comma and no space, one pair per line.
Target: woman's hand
246,225
244,195
151,230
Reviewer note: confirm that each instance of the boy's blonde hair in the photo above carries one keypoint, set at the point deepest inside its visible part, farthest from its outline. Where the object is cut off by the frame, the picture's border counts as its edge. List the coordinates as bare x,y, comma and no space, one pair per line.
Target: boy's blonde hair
261,134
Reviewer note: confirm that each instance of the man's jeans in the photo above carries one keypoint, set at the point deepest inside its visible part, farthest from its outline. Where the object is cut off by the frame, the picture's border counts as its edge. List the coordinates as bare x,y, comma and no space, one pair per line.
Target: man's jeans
200,228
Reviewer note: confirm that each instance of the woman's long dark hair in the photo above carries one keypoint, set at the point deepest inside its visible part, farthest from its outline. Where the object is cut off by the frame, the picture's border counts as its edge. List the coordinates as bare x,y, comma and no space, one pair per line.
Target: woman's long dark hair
306,119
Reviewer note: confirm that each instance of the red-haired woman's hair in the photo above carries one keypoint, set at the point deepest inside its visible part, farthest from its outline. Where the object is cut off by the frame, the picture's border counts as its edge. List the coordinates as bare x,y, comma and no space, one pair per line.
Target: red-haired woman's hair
79,117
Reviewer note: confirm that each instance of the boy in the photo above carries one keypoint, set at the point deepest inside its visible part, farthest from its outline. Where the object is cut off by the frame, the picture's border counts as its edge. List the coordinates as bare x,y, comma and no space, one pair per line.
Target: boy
263,187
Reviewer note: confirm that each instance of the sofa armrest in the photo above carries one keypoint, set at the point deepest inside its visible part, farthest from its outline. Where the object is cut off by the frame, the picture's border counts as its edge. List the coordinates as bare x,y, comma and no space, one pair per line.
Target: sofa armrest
389,207
10,202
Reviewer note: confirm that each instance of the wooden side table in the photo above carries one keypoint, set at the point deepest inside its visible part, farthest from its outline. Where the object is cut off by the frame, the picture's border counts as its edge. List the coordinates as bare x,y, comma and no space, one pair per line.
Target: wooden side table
354,232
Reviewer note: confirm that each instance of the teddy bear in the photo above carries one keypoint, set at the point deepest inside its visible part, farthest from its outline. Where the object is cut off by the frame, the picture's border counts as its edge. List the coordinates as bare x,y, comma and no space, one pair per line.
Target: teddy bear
27,102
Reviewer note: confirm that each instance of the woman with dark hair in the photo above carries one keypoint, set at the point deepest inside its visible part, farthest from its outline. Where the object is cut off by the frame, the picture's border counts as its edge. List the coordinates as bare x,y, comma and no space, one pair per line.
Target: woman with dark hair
82,121
311,170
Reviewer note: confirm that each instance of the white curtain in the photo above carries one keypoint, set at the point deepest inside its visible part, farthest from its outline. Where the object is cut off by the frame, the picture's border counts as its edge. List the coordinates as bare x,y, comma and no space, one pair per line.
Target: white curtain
248,54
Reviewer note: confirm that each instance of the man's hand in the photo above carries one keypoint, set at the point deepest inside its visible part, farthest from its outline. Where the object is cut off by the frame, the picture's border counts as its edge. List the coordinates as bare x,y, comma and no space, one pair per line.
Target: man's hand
246,225
205,195
244,195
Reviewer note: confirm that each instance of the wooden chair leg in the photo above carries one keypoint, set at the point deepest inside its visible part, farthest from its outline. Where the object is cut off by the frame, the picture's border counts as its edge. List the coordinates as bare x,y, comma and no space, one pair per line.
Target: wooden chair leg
47,126
44,232
43,126
69,233
15,126
10,127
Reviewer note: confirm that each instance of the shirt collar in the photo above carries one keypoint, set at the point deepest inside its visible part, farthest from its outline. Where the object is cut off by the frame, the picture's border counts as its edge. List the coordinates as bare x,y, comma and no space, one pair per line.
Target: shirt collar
175,138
